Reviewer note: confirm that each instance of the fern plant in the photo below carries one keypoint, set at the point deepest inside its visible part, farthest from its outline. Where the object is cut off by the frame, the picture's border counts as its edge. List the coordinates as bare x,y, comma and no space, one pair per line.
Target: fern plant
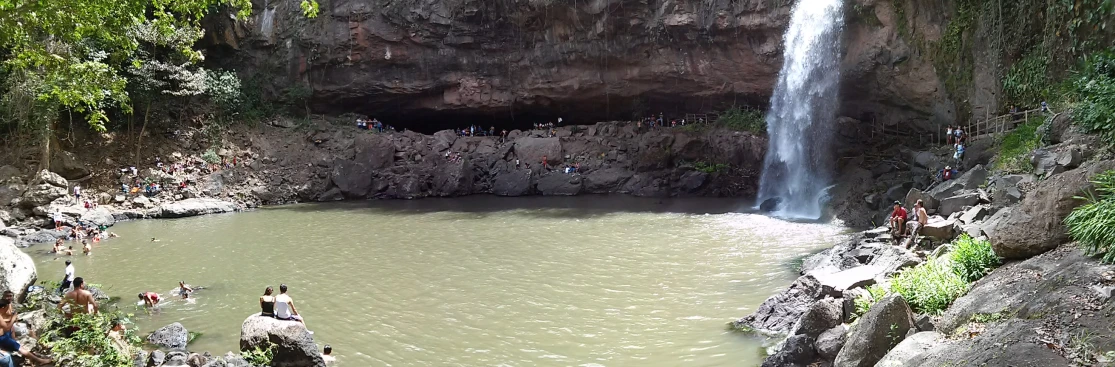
1092,225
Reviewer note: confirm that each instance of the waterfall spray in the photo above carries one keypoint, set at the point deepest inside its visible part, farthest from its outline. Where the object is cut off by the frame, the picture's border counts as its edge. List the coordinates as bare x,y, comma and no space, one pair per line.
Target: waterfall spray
798,165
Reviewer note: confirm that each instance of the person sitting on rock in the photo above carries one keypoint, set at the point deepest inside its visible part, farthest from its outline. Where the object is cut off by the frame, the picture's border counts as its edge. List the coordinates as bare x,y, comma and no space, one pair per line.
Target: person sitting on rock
10,297
267,303
150,299
284,306
78,300
7,340
898,218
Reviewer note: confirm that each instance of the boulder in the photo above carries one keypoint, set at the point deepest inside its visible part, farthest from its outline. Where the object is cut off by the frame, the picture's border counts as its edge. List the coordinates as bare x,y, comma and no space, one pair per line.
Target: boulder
830,342
142,202
45,177
940,228
173,336
973,214
822,315
905,352
98,217
606,180
1044,161
781,311
955,204
891,259
531,150
176,359
8,173
354,179
194,207
294,345
690,181
140,358
914,195
861,276
512,183
17,270
156,358
795,351
973,179
927,160
560,184
898,192
46,235
67,165
1036,224
1070,158
879,330
198,360
40,195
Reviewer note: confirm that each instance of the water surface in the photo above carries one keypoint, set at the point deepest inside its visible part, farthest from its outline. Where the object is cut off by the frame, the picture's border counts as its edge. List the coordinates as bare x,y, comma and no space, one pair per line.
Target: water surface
479,281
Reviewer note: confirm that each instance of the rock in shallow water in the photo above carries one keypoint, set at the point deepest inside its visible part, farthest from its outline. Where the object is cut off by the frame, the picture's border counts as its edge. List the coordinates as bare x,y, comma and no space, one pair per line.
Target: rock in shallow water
173,336
294,345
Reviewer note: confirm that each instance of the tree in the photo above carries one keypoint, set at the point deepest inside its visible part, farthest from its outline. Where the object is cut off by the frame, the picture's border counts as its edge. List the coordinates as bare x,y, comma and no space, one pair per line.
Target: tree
69,55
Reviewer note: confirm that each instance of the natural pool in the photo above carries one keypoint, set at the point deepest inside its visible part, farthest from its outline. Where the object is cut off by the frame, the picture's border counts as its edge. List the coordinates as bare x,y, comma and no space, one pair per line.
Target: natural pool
477,281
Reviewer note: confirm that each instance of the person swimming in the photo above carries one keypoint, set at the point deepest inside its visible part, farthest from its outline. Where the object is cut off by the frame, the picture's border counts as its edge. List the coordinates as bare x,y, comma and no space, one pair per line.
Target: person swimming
184,290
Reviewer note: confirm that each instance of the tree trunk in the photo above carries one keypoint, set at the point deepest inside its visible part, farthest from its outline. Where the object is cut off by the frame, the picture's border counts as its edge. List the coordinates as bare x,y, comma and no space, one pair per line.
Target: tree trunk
44,157
139,138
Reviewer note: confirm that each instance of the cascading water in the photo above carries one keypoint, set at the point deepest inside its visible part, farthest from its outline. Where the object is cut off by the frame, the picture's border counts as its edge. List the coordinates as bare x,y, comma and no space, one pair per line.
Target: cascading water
797,170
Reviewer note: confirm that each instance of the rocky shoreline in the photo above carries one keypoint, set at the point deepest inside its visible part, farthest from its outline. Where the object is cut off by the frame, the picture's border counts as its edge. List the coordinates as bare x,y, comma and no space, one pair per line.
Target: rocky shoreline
1034,310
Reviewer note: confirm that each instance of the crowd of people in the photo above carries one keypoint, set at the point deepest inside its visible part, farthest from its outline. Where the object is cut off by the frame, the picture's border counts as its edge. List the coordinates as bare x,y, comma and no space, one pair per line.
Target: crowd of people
374,124
660,121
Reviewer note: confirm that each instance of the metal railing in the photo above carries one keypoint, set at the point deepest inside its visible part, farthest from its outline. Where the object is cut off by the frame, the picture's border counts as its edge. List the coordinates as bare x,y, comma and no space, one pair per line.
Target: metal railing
991,126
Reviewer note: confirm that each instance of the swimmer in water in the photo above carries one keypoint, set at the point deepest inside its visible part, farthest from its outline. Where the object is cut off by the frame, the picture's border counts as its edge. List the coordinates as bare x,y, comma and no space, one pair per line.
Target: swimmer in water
154,240
184,290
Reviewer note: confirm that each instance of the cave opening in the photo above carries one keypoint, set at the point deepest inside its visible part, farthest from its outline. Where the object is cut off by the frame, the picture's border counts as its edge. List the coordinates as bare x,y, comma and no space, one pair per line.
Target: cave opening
523,115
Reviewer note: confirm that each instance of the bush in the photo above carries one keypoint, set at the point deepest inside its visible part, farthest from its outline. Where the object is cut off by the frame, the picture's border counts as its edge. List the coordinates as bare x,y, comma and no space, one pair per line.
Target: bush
743,119
1015,147
930,287
972,259
710,168
864,302
1094,89
210,156
89,345
1093,224
260,356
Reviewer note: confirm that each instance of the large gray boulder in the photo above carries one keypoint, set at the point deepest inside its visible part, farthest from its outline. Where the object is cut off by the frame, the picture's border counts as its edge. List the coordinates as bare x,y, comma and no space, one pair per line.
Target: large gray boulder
354,179
957,203
45,177
294,345
98,217
606,180
67,165
512,183
173,336
17,270
861,276
830,342
879,330
822,315
1036,224
531,150
973,178
914,195
779,313
795,351
194,207
559,184
906,351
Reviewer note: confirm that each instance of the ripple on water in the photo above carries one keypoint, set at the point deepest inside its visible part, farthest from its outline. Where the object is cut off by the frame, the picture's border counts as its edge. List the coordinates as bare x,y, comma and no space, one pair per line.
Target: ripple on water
478,281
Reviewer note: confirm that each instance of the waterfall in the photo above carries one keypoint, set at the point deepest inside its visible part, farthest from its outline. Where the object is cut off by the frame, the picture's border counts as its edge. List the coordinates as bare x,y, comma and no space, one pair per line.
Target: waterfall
267,22
798,163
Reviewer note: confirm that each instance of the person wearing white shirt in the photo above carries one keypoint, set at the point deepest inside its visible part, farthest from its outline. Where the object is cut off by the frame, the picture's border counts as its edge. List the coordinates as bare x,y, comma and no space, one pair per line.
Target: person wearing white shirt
69,278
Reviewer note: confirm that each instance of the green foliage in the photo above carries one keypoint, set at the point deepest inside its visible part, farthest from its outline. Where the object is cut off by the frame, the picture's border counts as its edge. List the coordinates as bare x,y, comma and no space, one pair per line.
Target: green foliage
1015,147
89,345
710,168
260,356
1094,89
930,287
743,119
1028,81
210,156
864,302
1091,224
972,259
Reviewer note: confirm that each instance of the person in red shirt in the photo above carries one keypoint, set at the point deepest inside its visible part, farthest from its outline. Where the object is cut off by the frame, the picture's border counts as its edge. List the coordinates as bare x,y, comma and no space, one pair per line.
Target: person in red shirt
898,217
545,163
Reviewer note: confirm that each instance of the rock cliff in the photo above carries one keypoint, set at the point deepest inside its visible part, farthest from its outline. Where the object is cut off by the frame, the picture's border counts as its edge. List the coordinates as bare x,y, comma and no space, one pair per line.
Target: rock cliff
426,64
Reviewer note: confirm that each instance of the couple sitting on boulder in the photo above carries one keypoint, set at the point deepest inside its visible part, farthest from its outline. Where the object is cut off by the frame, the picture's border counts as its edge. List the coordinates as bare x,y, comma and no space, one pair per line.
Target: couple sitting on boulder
280,307
898,220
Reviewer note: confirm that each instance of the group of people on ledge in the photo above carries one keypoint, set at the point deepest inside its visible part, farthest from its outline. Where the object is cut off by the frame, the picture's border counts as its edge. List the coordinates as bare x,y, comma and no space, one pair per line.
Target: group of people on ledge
374,124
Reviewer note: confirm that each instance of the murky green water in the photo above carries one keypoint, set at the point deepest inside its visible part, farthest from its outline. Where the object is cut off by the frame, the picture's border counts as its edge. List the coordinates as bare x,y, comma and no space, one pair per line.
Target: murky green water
481,281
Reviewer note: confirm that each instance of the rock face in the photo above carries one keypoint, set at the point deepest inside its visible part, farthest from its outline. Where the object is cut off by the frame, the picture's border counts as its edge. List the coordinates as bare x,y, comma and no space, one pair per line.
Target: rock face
879,330
1035,225
173,336
795,351
426,60
831,341
294,345
17,270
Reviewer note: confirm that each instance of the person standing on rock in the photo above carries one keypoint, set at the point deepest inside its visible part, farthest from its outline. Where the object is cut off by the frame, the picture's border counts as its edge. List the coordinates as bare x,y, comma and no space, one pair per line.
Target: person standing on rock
78,300
57,216
284,306
7,340
68,278
922,219
948,135
545,162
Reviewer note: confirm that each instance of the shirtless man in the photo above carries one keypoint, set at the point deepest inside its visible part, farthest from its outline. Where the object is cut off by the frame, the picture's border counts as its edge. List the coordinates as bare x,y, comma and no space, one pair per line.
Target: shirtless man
922,219
150,299
7,339
184,290
78,300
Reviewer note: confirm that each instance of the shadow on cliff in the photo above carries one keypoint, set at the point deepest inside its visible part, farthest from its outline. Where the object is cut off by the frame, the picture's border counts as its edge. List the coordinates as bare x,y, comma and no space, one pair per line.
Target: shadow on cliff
574,207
